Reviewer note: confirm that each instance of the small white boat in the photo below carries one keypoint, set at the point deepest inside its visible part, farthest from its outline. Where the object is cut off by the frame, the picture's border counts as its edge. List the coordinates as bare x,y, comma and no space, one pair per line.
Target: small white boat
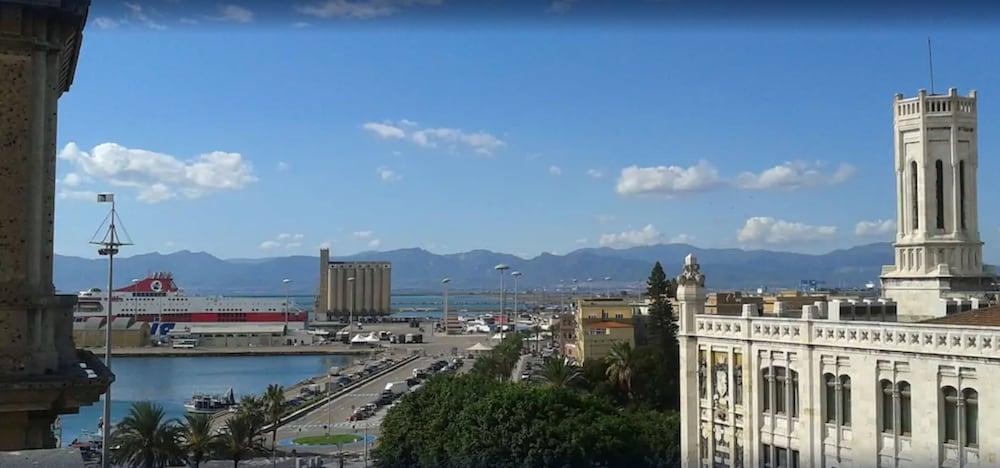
202,403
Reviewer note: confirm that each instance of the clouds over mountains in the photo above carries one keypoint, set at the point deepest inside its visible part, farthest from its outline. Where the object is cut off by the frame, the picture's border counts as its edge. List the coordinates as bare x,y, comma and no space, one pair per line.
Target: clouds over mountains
675,180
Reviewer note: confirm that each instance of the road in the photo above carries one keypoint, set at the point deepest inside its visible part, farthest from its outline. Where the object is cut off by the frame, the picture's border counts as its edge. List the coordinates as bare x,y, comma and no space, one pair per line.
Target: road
333,415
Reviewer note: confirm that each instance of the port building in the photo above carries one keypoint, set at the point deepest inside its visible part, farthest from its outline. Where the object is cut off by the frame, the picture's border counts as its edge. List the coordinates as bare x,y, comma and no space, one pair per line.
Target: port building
359,288
909,379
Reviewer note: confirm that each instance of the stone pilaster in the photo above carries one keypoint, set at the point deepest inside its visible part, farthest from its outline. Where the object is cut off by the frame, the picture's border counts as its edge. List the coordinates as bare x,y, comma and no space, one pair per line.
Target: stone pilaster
691,298
40,376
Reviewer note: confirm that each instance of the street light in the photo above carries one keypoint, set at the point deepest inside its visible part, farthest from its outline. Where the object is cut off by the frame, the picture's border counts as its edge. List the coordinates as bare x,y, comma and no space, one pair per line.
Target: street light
350,290
501,268
445,282
284,283
515,274
607,285
109,244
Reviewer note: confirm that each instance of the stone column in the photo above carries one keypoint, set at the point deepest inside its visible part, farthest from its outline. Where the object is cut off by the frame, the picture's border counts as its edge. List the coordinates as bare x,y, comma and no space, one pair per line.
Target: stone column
40,376
323,297
691,297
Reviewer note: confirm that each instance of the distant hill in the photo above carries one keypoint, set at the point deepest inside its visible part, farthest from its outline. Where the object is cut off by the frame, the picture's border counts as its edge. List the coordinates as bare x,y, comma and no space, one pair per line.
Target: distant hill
419,270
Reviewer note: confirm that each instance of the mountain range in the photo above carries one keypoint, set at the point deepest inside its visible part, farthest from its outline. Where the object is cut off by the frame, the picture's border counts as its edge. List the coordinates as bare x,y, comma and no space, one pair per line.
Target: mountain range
415,270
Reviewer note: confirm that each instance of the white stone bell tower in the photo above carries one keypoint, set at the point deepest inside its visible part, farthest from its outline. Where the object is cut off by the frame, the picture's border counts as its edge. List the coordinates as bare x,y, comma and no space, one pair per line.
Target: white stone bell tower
938,254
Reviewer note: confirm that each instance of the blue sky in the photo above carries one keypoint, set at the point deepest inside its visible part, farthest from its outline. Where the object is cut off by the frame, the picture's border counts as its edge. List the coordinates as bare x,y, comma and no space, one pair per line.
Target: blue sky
253,131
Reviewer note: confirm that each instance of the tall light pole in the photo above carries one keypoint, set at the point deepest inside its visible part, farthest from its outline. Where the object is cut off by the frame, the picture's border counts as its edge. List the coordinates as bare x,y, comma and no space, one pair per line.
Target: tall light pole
501,268
109,244
284,283
607,286
350,291
447,317
590,291
515,274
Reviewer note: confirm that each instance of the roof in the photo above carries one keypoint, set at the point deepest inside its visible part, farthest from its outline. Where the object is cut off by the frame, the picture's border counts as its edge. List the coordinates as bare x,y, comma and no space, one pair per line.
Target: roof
479,347
607,325
197,329
985,317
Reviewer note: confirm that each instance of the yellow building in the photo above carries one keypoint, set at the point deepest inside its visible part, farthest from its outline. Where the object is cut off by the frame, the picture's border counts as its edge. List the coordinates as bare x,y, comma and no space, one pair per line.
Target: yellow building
600,323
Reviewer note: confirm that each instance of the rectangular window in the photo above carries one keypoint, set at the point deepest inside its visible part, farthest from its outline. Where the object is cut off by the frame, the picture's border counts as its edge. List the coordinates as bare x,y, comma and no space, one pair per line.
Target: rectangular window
781,459
961,190
845,403
830,408
766,390
779,390
765,456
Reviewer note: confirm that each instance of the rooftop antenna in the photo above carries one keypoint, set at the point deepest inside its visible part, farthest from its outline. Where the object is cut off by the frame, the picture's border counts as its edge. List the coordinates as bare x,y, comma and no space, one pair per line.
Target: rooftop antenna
930,63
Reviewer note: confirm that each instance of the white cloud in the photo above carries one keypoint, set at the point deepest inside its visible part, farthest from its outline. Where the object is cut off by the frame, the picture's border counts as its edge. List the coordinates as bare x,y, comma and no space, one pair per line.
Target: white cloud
300,24
77,195
104,22
169,243
269,245
682,239
385,131
285,240
877,228
595,173
582,240
555,170
235,14
766,230
158,176
387,175
72,180
794,175
667,180
481,143
648,235
138,15
359,9
363,234
326,244
374,243
283,166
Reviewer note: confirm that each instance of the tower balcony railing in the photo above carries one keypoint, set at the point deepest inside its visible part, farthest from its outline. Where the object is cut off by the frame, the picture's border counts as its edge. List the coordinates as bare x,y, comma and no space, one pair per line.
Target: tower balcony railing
935,105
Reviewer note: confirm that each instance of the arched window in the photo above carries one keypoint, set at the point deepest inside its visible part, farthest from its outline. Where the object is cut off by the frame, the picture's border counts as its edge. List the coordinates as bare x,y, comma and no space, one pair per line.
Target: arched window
961,191
830,407
914,197
971,398
905,416
845,400
939,192
780,384
950,408
888,407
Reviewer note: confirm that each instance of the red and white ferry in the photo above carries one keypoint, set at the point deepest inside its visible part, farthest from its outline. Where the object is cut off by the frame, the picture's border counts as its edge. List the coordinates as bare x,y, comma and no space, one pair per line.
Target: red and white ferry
157,300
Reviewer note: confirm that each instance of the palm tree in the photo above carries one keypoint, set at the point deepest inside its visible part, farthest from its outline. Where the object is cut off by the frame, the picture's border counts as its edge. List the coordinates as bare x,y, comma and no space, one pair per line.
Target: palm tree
197,440
274,409
252,407
621,365
145,438
560,373
240,438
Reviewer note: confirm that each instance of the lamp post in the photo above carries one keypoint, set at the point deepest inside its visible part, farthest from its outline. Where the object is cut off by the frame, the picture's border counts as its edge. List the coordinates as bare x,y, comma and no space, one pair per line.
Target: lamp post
501,268
109,244
350,291
607,285
284,283
447,317
590,290
515,274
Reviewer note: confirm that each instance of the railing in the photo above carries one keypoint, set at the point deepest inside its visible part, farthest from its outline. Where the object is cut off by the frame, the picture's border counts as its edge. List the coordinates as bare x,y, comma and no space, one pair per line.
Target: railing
903,337
935,105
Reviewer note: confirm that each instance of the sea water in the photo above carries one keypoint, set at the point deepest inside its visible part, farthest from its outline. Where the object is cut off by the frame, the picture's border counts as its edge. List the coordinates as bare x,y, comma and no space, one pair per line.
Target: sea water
170,381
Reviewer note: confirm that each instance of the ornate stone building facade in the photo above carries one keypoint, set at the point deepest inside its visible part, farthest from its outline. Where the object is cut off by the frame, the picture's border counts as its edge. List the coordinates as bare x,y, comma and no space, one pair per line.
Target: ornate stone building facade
905,380
42,375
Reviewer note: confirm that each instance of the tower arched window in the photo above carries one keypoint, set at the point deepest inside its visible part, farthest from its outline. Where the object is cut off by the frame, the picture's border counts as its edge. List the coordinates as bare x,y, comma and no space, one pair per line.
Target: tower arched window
895,405
939,192
914,196
780,391
961,192
837,400
971,398
961,416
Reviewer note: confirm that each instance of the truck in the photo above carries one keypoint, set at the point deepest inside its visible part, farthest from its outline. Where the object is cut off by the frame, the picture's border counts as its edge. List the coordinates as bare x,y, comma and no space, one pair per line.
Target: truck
397,387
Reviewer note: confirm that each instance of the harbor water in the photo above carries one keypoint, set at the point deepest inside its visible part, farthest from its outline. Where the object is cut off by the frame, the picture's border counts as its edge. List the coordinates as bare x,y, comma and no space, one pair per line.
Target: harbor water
170,381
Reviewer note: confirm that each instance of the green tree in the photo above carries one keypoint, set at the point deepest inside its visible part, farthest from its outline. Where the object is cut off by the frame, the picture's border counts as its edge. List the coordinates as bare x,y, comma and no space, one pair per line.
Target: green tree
664,328
240,438
621,367
560,373
472,421
498,363
196,438
145,438
252,407
656,285
274,408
